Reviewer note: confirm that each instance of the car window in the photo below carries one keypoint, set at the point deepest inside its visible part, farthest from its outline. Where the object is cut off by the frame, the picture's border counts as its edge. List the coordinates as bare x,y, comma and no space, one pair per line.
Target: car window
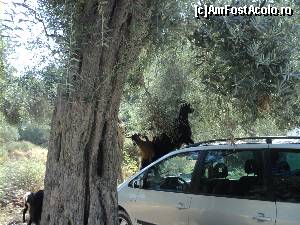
232,173
285,168
171,174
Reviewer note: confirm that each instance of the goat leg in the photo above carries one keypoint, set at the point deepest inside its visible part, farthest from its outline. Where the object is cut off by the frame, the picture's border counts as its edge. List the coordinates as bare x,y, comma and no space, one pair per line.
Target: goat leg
24,211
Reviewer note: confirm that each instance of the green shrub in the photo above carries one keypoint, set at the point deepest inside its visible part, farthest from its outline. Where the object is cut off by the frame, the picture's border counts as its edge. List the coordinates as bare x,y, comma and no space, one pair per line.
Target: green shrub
3,155
129,167
18,145
130,160
37,134
8,135
23,174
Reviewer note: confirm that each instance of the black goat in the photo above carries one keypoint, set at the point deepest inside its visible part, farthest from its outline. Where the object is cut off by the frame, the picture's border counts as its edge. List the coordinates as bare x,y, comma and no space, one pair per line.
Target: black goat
182,131
33,201
162,145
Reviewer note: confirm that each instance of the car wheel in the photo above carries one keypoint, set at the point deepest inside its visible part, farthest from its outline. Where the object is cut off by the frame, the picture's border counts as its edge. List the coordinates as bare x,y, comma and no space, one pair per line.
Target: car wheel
124,219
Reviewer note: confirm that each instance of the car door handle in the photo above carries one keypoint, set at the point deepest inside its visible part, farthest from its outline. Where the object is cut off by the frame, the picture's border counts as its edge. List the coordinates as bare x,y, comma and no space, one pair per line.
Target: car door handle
261,218
180,205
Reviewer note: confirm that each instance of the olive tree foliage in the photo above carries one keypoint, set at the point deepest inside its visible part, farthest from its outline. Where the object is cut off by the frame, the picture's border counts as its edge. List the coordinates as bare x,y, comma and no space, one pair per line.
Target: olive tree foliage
27,103
7,108
258,55
156,98
30,88
239,73
29,98
152,99
155,87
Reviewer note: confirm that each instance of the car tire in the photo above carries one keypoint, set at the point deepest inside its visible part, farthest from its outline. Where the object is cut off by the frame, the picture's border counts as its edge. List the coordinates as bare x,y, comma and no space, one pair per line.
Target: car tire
124,218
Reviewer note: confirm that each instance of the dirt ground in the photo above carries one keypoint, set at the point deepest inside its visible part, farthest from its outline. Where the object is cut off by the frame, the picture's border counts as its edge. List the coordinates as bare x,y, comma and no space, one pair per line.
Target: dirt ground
11,215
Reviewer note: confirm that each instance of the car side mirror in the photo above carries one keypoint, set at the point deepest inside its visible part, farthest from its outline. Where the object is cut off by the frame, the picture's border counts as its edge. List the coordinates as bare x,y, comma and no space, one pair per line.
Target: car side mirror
138,183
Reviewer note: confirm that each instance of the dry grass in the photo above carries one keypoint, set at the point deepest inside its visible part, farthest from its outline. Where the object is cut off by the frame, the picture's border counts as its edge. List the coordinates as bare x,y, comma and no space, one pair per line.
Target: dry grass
35,153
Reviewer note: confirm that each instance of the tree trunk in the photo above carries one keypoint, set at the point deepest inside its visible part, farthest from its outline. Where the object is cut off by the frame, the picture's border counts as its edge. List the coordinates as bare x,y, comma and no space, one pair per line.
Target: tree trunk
83,157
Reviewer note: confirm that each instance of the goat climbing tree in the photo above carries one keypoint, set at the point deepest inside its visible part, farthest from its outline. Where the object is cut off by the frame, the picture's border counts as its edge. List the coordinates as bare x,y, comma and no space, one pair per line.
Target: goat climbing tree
81,174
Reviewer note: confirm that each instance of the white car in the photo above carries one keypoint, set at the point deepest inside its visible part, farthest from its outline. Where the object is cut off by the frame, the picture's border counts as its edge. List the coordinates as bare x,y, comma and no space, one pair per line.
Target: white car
254,182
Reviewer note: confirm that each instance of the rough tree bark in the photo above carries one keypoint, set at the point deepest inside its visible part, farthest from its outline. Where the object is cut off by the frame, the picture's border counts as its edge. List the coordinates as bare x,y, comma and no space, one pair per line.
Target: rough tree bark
83,157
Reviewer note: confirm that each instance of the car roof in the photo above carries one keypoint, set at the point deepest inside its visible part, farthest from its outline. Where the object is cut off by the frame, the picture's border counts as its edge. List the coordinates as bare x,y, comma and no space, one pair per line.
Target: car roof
254,143
251,140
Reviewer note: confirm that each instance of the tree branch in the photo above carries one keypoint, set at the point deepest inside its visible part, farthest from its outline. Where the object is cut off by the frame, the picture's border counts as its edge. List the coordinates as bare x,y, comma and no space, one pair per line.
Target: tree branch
35,14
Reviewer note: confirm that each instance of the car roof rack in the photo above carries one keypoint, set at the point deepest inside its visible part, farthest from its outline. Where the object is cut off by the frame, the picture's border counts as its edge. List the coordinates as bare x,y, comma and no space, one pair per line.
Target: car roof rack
268,140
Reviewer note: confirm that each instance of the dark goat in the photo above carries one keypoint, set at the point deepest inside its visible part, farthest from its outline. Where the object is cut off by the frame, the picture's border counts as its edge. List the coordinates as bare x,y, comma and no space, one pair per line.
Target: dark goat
162,145
33,201
182,131
146,147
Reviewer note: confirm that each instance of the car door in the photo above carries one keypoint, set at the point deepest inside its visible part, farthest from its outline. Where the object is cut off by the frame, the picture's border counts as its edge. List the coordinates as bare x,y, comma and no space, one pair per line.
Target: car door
231,189
127,195
164,194
285,169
